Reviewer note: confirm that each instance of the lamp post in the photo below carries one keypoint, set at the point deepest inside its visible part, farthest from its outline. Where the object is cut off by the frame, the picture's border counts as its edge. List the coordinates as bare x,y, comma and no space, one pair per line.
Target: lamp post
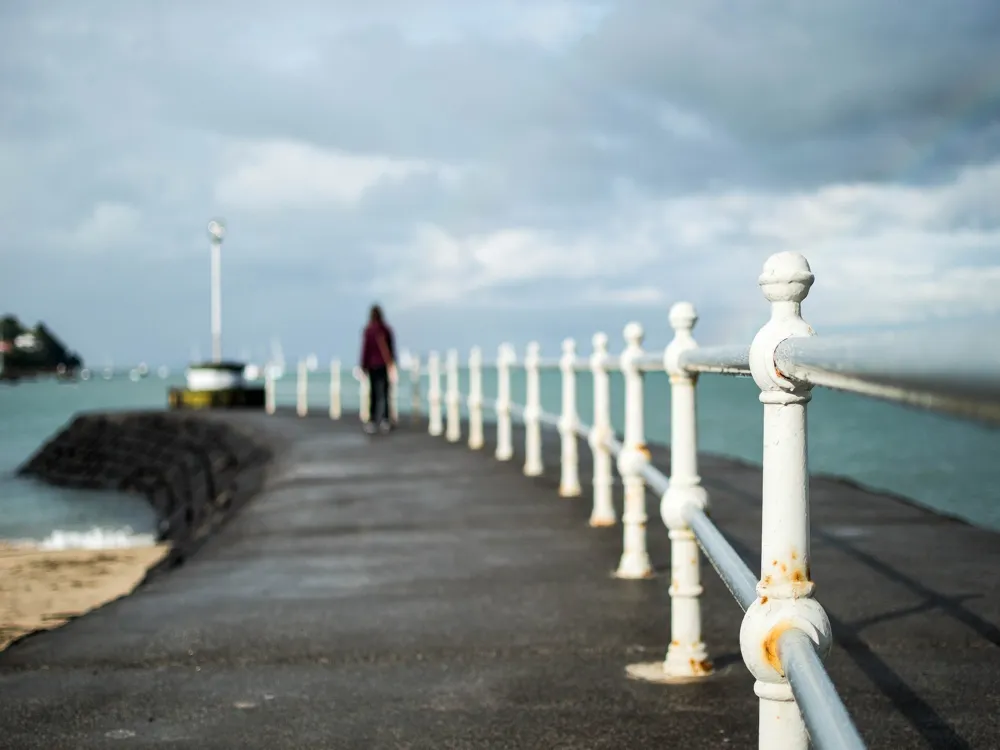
216,231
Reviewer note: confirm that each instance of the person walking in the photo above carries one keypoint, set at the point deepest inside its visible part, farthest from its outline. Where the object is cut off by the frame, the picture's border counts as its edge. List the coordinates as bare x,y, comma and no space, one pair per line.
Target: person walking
378,362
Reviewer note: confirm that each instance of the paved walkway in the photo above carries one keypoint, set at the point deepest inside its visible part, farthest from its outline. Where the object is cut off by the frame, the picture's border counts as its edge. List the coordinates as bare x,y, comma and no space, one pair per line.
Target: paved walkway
403,592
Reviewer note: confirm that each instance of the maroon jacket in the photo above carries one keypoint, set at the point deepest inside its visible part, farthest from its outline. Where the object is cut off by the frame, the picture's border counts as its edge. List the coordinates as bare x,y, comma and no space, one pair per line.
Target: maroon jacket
372,355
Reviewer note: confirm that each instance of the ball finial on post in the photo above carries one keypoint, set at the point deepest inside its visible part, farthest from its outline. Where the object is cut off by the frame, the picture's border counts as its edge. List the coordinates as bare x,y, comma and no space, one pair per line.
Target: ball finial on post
532,352
787,277
683,317
634,334
600,343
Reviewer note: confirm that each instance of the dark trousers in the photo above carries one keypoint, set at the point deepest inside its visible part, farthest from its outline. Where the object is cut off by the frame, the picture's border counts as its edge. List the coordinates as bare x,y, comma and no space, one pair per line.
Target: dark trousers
378,394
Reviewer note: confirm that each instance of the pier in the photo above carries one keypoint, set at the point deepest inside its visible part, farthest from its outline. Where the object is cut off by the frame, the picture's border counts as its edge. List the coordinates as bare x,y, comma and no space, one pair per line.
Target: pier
491,575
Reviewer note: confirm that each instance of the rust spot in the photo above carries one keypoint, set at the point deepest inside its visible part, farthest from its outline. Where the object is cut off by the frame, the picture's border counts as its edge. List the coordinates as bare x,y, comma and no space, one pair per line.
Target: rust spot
798,576
700,667
675,643
774,563
784,568
771,646
795,555
644,450
766,580
763,600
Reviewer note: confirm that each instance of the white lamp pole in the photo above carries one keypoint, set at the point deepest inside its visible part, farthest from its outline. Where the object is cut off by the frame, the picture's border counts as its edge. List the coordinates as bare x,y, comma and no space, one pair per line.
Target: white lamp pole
216,231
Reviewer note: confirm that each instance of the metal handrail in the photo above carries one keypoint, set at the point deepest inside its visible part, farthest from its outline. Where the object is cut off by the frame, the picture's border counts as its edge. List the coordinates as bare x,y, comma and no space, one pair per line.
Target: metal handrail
829,725
901,367
735,573
723,360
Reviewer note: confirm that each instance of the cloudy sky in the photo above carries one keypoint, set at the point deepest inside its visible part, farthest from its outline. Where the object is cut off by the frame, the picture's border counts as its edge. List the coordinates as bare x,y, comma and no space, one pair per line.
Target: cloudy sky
491,170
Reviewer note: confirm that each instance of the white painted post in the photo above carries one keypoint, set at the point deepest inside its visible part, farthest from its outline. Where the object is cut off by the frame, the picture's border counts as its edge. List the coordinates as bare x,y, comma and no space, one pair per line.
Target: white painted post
216,231
505,447
415,404
569,478
603,513
335,402
476,398
454,400
532,414
435,426
302,389
634,455
364,396
785,591
687,656
270,402
393,405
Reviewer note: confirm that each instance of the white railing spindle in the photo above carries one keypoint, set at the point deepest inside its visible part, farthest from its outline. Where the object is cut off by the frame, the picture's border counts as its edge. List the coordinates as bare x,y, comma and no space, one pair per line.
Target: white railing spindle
475,402
533,466
505,447
416,404
434,424
569,479
603,513
392,408
302,389
454,399
270,402
364,396
335,405
785,591
687,656
635,561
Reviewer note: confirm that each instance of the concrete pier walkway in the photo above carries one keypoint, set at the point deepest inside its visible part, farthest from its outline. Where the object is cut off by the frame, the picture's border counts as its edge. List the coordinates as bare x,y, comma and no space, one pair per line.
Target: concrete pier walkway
403,592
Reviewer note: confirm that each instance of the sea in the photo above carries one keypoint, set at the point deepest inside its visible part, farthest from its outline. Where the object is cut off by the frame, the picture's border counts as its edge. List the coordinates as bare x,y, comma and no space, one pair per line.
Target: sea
947,464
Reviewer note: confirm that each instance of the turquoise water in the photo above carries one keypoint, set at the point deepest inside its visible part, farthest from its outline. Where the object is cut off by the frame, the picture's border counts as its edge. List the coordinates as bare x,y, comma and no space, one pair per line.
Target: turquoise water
943,463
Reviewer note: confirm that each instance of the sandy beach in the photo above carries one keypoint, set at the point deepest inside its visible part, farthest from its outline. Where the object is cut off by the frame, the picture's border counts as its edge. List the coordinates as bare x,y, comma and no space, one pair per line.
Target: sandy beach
43,589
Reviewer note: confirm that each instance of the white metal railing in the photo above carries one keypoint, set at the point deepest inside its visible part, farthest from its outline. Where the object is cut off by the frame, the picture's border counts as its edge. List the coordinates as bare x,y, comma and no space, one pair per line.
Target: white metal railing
335,406
785,633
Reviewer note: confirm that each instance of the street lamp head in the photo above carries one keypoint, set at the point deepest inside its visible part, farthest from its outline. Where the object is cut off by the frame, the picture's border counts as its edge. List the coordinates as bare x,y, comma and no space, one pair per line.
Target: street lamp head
216,230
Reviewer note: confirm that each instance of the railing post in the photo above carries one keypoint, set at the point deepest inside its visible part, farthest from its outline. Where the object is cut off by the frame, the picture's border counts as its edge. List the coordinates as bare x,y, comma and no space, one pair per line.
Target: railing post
302,390
634,455
434,426
454,399
364,397
785,591
505,448
603,513
476,398
569,478
532,413
392,408
687,656
335,405
415,402
270,402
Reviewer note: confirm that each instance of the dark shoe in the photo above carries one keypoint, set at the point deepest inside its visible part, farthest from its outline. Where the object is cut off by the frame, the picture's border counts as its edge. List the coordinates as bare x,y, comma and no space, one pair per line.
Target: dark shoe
370,428
385,426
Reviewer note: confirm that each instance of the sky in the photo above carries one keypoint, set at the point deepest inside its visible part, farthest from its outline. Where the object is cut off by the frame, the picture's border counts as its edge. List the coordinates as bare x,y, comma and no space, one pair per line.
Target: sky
489,171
